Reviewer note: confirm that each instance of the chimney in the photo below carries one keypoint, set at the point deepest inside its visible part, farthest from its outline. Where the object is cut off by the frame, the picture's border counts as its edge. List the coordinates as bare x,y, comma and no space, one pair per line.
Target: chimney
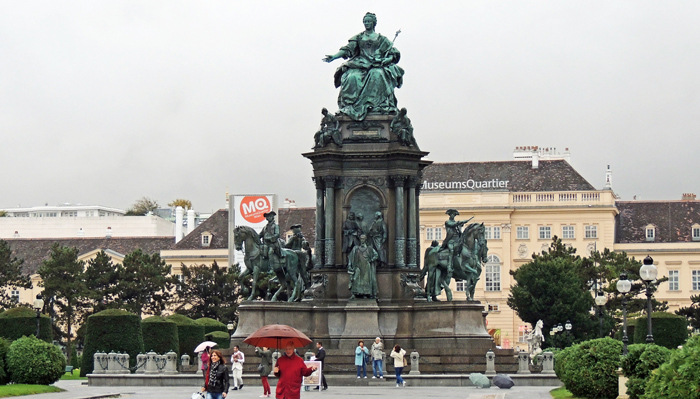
16,235
535,160
190,221
108,234
286,203
292,204
608,179
688,197
567,156
178,223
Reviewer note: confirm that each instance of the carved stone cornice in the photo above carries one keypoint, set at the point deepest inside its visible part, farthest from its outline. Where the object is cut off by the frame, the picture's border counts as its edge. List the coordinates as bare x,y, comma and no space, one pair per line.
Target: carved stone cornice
352,181
398,180
330,181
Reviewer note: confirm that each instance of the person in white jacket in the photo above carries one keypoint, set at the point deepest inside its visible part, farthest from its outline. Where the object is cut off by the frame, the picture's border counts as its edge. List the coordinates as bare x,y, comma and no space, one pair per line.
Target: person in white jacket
237,360
398,355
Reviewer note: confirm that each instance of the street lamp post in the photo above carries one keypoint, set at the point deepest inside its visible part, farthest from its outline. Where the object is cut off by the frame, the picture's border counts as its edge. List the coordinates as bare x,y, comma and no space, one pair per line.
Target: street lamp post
229,326
38,305
600,300
648,273
623,287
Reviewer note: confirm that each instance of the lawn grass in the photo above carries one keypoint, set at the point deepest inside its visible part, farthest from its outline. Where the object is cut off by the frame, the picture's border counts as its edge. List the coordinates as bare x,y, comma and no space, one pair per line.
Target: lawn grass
561,393
75,376
25,389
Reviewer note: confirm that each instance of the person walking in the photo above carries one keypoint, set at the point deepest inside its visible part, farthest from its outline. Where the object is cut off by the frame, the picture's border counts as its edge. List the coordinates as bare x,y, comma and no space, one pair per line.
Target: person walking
290,369
237,360
205,360
398,355
377,358
265,367
216,378
321,357
361,355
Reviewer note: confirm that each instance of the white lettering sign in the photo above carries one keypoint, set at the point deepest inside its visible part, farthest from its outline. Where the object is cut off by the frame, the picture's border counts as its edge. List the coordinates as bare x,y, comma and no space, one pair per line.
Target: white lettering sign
470,184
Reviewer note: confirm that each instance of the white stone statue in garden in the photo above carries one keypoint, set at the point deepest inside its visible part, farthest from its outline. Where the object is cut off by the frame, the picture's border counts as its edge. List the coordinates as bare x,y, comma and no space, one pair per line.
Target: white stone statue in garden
535,339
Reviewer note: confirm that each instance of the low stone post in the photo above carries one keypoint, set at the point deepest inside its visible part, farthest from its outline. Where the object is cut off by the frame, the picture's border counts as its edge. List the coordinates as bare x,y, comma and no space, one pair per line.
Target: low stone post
523,363
621,385
490,363
308,355
415,360
384,357
112,366
141,363
151,367
123,362
275,355
100,363
170,363
548,363
185,360
161,362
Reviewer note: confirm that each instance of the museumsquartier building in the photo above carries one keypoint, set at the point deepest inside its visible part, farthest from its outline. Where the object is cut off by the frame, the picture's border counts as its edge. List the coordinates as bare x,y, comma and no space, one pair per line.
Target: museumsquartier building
524,203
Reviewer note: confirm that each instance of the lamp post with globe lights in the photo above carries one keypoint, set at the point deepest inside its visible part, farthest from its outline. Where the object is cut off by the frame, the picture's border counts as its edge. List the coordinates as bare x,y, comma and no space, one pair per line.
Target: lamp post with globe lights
601,300
623,287
648,273
38,305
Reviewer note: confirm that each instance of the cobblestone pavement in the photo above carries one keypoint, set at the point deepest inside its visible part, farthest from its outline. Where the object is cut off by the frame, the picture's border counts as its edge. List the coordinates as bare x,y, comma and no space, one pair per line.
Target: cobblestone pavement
75,389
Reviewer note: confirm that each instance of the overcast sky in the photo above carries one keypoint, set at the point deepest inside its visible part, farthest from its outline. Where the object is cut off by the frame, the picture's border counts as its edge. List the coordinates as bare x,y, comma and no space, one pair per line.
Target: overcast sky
105,102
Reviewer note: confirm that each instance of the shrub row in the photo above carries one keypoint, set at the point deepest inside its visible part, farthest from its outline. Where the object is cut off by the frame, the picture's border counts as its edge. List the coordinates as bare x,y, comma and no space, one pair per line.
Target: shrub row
589,369
19,322
669,330
679,376
638,365
160,335
189,332
112,330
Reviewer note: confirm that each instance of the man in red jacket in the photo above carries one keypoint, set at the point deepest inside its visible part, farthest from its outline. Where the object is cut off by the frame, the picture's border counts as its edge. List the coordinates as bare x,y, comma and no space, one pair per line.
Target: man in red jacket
290,369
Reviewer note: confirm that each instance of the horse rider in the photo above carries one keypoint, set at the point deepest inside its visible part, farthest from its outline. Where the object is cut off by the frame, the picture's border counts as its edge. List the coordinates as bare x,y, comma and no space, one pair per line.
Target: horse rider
270,236
298,243
453,234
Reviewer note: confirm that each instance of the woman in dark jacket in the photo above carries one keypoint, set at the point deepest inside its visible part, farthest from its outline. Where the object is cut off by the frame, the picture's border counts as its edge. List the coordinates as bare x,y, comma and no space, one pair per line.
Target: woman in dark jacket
217,379
265,368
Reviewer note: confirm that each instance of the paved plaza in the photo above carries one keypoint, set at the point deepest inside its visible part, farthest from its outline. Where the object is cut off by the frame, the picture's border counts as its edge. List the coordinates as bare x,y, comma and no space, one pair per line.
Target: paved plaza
75,389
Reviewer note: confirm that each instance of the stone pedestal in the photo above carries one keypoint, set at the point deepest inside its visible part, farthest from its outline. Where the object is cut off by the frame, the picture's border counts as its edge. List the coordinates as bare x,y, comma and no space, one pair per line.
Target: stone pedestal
523,363
361,320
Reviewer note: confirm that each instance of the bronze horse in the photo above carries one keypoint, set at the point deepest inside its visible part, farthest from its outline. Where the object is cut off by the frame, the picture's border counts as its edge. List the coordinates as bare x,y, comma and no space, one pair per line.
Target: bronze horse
287,268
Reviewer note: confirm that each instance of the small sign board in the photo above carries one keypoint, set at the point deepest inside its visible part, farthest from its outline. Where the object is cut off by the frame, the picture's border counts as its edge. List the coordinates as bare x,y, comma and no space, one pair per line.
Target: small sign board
315,378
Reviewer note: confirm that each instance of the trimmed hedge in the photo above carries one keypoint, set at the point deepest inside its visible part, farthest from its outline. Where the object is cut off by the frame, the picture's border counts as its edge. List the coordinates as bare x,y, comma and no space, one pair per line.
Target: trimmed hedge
222,339
190,334
679,377
20,322
4,373
589,369
669,330
33,361
160,335
637,366
211,325
112,330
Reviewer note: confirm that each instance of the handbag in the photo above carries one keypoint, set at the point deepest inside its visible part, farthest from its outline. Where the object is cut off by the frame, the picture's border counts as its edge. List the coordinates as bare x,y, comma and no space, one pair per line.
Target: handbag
260,367
368,359
198,395
404,361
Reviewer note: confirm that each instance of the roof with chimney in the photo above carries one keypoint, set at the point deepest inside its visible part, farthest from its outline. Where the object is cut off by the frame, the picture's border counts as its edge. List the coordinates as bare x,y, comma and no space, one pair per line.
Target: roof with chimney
672,220
306,217
521,176
216,225
35,250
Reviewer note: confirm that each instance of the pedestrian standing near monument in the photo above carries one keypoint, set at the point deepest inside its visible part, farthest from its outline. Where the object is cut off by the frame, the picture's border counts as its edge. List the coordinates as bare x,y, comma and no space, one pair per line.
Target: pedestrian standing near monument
321,357
361,355
216,381
290,369
399,363
264,368
237,360
377,358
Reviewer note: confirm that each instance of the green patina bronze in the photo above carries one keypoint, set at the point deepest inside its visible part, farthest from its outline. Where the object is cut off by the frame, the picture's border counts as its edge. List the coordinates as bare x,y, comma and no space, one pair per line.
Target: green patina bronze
363,270
401,126
368,79
329,131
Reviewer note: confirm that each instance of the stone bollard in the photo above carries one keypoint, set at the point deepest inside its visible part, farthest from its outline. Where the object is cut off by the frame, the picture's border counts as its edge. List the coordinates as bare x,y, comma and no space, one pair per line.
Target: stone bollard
161,361
112,367
308,355
490,363
141,363
621,385
100,363
170,363
548,363
523,363
415,360
151,367
185,360
123,363
383,363
275,355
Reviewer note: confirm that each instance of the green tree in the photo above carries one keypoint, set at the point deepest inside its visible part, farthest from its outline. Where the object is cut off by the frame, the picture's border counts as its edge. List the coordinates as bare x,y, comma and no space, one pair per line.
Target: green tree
11,275
692,312
552,288
144,283
186,204
101,283
209,291
142,206
63,281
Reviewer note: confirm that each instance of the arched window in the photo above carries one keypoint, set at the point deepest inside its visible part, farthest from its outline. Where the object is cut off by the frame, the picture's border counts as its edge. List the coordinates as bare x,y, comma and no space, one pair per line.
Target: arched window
493,273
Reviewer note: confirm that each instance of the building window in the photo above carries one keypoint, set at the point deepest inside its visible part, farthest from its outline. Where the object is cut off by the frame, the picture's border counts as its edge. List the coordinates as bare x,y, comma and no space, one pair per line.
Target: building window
461,286
69,214
696,233
494,308
673,280
567,232
522,232
429,234
545,232
493,273
695,280
89,213
438,233
206,239
14,296
522,333
493,233
650,233
591,231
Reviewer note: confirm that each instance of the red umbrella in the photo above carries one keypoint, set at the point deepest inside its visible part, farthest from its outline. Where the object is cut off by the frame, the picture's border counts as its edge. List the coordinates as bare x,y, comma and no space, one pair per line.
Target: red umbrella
277,336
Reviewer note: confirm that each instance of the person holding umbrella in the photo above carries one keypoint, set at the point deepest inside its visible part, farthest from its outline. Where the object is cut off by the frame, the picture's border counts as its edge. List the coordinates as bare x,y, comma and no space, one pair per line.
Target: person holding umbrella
290,369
